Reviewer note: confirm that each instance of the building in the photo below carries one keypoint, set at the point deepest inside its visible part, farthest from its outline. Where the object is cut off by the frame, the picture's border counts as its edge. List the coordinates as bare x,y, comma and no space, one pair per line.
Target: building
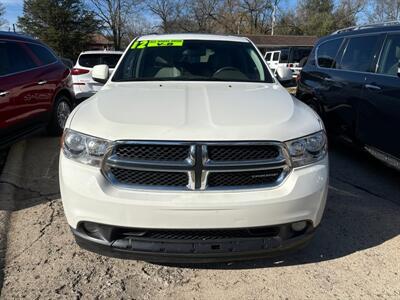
272,42
100,42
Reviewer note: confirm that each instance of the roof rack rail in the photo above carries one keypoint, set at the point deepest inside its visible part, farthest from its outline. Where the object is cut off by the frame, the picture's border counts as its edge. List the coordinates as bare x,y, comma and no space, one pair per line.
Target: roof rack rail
372,25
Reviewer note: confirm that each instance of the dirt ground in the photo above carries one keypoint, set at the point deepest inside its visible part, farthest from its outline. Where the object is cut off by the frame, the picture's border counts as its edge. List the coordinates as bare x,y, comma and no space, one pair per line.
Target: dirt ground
354,255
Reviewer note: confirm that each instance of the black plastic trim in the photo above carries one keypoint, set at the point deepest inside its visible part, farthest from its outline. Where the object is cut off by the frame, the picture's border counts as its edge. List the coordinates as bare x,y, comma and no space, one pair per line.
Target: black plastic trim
194,251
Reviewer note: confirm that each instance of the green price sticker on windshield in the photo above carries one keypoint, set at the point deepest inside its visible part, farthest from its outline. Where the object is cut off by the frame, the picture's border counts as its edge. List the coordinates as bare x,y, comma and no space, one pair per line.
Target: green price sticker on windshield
157,43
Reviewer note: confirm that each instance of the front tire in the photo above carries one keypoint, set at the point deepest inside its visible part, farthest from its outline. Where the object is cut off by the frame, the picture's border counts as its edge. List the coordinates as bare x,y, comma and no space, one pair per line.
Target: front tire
61,111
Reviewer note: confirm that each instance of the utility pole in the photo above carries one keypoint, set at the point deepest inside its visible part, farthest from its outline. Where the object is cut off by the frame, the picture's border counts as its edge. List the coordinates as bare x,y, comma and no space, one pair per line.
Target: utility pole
14,27
273,18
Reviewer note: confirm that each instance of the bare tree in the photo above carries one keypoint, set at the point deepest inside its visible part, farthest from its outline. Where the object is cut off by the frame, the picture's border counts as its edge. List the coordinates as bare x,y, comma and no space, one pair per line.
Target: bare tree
168,11
114,14
230,18
258,14
348,11
135,27
204,14
384,10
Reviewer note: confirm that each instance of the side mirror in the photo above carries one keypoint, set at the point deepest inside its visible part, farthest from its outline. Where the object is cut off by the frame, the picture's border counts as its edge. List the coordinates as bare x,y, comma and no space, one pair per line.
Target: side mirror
284,74
100,73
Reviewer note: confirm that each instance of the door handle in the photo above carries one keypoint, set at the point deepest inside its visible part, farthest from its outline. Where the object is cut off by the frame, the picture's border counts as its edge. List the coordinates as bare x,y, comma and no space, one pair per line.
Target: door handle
41,82
5,93
373,87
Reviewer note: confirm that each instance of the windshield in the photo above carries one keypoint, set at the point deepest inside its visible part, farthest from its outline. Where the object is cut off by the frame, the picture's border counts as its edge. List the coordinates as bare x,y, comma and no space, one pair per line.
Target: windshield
192,60
90,60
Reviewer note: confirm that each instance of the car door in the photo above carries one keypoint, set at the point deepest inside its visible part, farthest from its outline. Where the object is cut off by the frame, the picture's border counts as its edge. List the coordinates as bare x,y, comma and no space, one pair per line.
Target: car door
275,60
379,112
18,80
345,81
48,76
326,83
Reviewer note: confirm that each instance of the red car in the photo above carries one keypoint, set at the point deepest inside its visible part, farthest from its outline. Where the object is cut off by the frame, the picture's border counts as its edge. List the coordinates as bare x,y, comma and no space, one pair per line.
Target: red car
35,88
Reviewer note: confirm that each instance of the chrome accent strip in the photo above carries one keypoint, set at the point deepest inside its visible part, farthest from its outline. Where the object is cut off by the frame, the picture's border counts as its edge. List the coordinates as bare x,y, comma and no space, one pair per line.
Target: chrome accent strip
192,182
245,164
150,165
192,155
204,154
204,179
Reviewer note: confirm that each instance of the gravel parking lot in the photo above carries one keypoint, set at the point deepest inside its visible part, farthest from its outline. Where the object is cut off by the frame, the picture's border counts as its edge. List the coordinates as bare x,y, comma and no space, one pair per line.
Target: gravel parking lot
354,255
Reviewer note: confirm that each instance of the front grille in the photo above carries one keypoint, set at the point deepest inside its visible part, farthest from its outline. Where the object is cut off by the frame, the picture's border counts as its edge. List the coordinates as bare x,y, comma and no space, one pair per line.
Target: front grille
150,178
196,165
202,235
245,178
243,152
153,152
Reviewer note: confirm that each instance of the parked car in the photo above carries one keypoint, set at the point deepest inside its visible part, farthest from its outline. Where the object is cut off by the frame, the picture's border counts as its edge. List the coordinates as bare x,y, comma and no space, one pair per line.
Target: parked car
290,57
35,88
352,80
193,152
84,85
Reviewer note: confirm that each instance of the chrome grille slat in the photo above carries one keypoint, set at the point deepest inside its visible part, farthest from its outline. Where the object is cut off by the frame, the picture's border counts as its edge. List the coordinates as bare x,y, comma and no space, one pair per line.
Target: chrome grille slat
196,170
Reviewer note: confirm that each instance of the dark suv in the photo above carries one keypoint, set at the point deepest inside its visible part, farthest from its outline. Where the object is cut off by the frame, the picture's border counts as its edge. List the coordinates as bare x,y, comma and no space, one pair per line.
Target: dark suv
35,88
352,79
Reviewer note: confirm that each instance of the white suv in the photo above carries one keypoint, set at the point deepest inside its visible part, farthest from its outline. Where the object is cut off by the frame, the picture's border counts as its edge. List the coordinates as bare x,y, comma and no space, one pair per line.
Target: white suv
83,84
193,152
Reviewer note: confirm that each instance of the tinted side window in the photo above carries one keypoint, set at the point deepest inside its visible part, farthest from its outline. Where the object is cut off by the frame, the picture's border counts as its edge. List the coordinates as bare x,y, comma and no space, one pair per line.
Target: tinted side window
45,56
390,59
13,58
359,54
276,56
268,56
326,53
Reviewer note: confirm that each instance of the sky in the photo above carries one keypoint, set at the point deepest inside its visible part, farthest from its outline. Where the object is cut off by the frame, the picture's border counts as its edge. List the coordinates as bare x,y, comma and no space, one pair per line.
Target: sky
13,10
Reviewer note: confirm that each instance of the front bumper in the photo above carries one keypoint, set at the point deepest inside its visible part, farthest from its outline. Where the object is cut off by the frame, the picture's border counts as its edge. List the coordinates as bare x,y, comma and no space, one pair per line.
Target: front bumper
166,246
82,91
88,197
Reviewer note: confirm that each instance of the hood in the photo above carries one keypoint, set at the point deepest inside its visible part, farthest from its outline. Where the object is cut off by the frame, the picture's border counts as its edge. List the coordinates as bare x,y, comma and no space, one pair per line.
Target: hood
194,111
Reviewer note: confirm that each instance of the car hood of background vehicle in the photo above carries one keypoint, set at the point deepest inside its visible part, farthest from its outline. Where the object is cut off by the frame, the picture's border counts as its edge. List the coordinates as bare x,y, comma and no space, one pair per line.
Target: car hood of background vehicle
194,111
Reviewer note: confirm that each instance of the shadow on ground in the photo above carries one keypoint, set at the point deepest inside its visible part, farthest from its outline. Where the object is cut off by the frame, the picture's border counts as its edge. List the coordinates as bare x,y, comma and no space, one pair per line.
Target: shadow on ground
37,180
363,211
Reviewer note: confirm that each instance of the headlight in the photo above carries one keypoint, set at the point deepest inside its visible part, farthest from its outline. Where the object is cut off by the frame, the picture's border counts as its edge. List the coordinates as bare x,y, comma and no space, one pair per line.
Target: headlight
308,149
83,148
